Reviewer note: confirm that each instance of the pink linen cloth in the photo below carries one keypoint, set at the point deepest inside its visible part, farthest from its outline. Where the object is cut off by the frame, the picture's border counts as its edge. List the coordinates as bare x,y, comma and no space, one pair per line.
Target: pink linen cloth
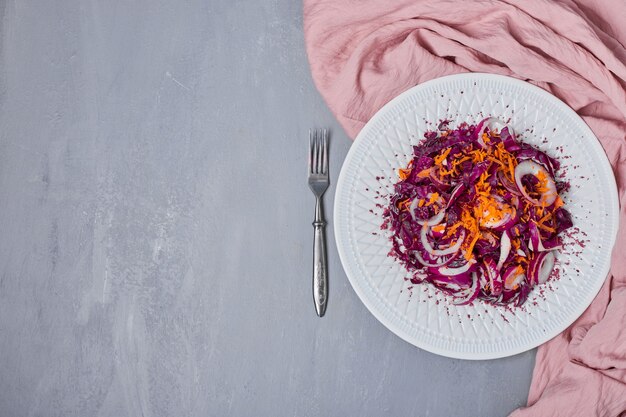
363,53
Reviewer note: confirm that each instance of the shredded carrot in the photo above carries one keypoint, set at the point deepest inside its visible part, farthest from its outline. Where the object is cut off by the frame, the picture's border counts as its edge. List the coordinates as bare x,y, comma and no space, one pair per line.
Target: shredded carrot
440,158
497,161
433,198
423,173
404,173
558,202
404,204
542,187
452,229
544,218
448,172
439,228
511,169
478,155
546,228
541,208
457,162
468,253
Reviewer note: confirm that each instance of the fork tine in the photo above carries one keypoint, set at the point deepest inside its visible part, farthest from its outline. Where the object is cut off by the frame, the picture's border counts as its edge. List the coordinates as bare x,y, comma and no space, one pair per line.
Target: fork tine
325,152
312,154
314,166
317,151
310,151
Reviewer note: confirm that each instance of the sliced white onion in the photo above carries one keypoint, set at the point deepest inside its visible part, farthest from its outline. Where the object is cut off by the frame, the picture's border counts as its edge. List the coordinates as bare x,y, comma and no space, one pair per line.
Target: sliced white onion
545,269
529,167
521,253
535,234
493,123
437,233
505,249
496,223
456,192
468,295
434,220
449,272
513,281
449,285
440,252
412,207
489,237
438,263
539,247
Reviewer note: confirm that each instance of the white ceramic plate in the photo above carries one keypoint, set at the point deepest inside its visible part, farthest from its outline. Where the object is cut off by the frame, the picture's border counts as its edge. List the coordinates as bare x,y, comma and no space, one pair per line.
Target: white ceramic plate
418,313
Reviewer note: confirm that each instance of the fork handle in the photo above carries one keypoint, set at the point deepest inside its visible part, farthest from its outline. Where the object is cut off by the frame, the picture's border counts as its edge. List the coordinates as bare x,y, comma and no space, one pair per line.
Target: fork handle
320,269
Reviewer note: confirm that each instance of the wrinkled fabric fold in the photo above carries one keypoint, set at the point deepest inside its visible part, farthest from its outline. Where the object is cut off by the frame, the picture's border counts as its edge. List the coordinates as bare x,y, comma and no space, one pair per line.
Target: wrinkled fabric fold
364,53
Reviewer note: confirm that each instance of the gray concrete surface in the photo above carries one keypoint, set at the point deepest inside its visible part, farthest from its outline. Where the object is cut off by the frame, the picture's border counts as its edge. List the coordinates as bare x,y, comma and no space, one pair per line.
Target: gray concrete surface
155,227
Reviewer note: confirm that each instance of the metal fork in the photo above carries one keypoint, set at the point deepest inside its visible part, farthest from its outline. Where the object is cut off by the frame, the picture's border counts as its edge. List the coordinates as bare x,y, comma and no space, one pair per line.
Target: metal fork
318,182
